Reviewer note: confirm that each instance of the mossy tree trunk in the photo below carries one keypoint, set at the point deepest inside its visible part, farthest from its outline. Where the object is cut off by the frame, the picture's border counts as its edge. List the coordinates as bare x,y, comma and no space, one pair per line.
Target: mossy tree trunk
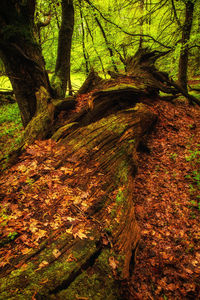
21,55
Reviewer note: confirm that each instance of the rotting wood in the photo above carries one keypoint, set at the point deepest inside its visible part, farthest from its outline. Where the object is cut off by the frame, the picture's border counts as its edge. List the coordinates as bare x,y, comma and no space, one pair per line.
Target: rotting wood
92,81
95,265
142,70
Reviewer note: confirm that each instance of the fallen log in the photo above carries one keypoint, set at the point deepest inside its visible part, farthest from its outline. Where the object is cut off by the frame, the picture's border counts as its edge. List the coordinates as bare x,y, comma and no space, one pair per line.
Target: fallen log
108,101
93,251
64,104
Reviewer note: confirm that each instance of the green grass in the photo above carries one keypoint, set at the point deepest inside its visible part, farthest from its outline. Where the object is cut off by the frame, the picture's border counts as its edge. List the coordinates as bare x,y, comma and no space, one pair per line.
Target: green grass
77,80
10,113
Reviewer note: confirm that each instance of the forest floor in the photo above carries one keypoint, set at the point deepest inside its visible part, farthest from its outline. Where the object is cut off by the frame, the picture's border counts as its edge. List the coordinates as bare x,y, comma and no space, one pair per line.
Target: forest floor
166,197
167,191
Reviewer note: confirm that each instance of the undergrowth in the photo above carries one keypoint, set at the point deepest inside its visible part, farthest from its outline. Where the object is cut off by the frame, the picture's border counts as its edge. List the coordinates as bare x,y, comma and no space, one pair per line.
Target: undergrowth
194,177
10,127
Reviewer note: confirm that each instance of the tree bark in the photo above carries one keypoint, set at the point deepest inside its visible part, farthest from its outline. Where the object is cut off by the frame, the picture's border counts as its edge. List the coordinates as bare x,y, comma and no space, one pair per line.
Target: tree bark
21,55
183,59
61,80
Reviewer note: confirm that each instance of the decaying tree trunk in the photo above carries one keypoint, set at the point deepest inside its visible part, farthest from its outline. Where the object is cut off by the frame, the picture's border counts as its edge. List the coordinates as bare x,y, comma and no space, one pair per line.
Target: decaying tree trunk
92,81
141,67
90,265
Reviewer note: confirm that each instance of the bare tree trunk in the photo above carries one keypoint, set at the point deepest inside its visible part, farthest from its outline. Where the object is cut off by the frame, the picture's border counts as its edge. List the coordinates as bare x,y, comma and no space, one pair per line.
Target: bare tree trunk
61,80
141,23
85,54
197,53
183,60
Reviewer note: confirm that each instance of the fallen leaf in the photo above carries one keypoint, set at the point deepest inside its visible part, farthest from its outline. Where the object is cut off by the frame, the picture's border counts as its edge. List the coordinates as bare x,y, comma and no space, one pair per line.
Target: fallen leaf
71,258
69,230
25,251
43,264
56,253
39,234
80,234
112,262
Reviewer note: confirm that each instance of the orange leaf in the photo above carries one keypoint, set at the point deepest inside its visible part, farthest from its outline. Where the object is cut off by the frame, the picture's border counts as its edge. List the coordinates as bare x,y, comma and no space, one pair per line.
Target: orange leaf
112,262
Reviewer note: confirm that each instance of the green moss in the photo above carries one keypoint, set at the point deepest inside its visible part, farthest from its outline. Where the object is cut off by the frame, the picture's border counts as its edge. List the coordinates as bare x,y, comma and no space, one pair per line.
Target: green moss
57,85
110,126
120,197
24,283
122,172
96,284
114,124
113,213
138,106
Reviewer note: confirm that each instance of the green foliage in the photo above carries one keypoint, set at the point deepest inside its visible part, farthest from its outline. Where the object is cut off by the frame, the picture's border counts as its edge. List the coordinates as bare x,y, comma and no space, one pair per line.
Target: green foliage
12,235
4,81
173,156
194,177
123,22
10,127
120,197
194,156
10,113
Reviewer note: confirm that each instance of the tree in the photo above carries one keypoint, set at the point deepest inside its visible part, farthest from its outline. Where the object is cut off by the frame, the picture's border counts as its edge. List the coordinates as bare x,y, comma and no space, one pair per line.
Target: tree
85,54
61,80
22,55
186,30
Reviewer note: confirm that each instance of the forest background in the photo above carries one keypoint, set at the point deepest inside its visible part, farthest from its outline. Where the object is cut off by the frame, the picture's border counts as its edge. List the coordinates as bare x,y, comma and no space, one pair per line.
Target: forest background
56,45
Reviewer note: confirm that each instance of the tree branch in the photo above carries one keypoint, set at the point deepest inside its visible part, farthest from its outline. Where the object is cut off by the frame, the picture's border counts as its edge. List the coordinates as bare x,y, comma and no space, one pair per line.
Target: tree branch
124,31
175,13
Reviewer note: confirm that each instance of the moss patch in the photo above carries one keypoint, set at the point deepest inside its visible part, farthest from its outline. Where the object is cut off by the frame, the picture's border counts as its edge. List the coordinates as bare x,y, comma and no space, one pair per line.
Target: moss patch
96,283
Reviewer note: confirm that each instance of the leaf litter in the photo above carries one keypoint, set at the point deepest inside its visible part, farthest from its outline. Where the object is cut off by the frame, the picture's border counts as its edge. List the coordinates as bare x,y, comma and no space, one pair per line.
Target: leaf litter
168,258
41,196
